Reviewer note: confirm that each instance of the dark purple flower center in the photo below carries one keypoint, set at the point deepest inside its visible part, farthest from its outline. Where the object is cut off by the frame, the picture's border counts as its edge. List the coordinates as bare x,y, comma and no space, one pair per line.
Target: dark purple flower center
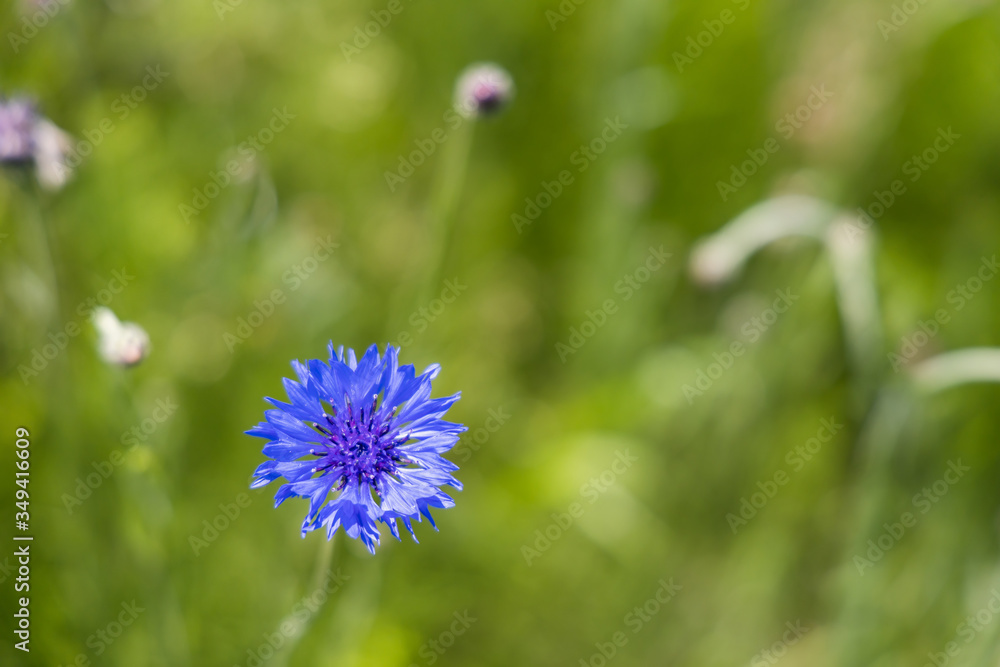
488,97
360,444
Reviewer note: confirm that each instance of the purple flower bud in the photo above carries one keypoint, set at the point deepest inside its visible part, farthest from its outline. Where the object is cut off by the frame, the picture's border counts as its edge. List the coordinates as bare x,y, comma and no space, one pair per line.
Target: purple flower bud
27,138
483,89
17,123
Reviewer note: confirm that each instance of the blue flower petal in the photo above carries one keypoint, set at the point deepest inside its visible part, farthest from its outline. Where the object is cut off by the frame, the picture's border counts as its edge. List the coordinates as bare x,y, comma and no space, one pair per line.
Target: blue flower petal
289,426
287,451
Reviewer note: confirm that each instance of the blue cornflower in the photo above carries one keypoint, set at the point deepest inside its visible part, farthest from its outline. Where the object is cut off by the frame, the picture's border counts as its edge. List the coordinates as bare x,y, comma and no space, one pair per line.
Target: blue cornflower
357,427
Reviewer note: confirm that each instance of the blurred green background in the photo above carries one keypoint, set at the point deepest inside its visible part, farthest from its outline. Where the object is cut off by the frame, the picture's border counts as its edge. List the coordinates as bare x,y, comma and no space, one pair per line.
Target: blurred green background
227,66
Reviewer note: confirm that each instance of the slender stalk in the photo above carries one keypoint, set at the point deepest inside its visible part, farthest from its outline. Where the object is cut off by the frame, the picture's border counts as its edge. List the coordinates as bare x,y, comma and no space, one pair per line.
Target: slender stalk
169,629
323,560
33,220
445,194
45,234
852,258
299,626
722,255
880,435
975,364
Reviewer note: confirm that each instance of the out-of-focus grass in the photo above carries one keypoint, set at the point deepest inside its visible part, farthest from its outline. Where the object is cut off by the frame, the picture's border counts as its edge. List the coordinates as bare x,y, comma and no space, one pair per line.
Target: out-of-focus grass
662,518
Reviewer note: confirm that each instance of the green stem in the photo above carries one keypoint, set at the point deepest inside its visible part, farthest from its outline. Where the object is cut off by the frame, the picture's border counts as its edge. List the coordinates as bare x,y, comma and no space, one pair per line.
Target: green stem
852,258
879,438
445,194
300,626
39,233
972,364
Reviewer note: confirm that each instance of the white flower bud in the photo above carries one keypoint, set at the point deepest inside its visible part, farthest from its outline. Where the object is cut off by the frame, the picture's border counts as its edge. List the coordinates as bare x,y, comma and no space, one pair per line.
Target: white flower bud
482,89
120,343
